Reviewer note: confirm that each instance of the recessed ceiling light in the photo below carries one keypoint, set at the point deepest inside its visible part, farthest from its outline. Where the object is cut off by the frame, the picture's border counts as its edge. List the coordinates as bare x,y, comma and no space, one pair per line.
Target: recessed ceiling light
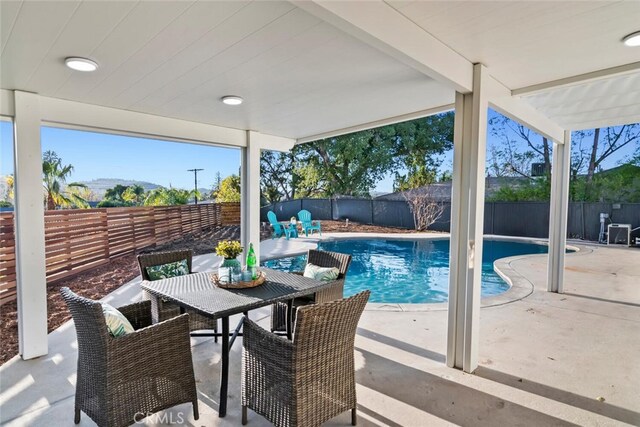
232,100
632,39
81,64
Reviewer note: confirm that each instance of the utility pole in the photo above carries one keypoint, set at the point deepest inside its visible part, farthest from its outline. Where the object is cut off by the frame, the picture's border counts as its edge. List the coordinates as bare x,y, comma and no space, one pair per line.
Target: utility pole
195,182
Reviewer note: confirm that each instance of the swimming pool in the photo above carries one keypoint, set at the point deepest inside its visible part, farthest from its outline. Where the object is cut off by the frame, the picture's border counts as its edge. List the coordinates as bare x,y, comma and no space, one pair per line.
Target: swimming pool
409,271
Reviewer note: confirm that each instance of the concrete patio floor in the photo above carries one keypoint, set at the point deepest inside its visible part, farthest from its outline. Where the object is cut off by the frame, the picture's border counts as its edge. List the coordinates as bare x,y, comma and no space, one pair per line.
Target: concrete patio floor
547,359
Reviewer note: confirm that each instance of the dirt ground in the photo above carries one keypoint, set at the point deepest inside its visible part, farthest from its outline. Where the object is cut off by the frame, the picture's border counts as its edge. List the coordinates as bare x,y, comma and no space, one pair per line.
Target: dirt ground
99,282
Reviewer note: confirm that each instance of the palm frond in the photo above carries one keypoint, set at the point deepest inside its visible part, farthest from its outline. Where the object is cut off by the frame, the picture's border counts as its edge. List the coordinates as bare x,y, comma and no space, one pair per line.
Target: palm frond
77,185
78,201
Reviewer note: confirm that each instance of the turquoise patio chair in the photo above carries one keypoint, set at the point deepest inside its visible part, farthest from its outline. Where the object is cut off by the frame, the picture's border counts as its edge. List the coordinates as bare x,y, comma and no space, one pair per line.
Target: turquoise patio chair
304,216
280,230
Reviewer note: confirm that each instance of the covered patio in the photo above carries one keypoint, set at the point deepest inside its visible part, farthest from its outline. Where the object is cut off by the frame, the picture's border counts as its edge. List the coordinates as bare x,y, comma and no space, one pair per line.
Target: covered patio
314,69
401,374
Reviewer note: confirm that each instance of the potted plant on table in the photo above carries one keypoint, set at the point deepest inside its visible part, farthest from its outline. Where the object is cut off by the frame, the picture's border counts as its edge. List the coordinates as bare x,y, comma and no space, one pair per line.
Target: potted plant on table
229,250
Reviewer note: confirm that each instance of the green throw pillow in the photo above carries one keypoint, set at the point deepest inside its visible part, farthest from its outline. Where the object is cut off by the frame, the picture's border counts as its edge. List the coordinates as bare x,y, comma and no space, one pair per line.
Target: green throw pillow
321,273
117,324
172,269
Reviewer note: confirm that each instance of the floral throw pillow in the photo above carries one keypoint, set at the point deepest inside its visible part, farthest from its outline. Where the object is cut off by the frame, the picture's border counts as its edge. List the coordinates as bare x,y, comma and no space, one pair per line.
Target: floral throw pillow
117,324
321,273
172,269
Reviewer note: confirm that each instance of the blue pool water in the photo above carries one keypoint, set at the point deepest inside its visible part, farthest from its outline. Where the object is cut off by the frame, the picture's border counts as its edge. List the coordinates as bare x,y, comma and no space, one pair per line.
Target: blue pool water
409,271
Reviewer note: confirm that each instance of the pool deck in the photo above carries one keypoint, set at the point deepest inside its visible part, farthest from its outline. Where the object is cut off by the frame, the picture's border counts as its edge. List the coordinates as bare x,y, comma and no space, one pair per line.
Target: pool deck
546,359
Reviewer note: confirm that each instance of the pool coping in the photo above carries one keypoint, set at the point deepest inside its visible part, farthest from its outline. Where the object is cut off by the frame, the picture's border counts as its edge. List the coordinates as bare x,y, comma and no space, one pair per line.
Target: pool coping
519,286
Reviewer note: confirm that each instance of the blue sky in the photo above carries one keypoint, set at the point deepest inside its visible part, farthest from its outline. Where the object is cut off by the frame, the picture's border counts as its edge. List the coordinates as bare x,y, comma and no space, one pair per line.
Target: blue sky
386,185
96,155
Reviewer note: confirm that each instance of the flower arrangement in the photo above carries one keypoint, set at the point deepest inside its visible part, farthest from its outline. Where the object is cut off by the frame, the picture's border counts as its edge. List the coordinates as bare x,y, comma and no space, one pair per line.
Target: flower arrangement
229,249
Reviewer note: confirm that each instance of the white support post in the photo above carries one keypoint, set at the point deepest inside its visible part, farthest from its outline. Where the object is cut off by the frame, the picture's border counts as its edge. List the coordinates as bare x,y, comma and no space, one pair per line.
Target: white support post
467,222
244,199
29,228
250,182
560,174
459,232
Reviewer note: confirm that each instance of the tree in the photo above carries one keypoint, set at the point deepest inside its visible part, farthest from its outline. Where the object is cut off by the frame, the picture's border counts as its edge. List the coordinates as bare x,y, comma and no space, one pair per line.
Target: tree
229,190
121,195
351,164
277,175
54,177
110,203
529,190
286,176
424,206
308,181
168,197
509,132
617,185
115,193
420,143
635,157
6,188
592,147
83,193
216,186
509,160
133,194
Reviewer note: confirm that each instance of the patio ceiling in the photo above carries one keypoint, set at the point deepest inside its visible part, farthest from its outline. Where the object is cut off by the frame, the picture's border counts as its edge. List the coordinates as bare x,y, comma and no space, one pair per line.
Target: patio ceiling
530,43
603,102
302,74
298,75
524,43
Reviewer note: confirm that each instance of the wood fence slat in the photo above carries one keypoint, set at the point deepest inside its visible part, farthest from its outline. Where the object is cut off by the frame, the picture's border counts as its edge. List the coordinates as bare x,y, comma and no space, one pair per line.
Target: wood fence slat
82,239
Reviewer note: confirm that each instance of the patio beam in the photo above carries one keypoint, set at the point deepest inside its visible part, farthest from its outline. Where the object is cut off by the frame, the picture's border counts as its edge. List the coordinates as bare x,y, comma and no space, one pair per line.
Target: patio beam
378,123
383,27
29,228
560,174
467,223
78,115
579,79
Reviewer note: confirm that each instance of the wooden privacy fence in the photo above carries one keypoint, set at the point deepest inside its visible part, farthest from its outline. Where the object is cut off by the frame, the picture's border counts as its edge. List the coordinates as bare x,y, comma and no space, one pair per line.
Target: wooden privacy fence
7,258
78,240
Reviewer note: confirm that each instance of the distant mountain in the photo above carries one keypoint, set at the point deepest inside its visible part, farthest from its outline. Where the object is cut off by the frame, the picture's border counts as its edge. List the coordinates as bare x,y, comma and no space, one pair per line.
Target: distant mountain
101,185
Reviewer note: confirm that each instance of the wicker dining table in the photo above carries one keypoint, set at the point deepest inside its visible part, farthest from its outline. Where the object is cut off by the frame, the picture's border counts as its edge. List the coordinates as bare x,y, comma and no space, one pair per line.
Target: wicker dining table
198,292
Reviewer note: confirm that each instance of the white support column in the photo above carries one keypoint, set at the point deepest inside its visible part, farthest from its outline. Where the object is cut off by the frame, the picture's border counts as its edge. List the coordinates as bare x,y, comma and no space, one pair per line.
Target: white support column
244,198
29,228
459,232
560,174
250,204
250,184
467,222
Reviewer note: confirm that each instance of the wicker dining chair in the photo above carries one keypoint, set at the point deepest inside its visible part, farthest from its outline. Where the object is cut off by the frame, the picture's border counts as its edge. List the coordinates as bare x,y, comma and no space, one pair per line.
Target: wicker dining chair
311,379
163,310
121,380
334,292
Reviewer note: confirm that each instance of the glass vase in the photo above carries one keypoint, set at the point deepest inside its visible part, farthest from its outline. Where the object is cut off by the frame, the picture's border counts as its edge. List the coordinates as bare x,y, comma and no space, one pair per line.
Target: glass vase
234,264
